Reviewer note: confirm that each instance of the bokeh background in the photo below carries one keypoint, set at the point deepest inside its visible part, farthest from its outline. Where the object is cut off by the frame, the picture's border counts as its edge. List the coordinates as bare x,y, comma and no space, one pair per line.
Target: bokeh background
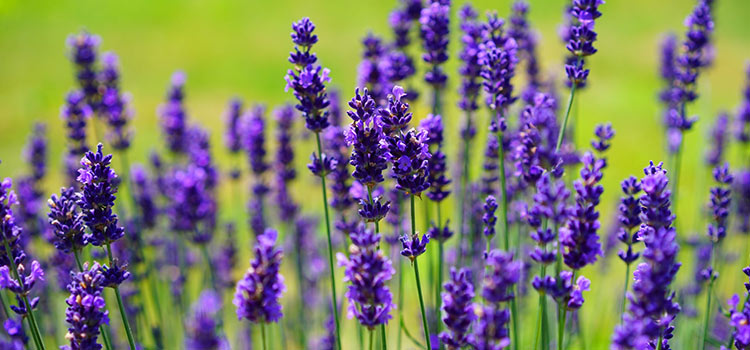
239,48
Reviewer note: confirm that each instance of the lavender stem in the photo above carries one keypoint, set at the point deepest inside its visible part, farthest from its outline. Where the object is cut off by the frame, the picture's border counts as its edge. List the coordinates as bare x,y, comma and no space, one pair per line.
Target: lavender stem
330,245
128,331
565,120
419,284
103,327
32,320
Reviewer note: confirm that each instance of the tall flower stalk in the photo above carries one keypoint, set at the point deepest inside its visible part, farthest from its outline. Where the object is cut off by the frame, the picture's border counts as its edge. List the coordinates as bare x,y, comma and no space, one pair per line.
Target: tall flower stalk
98,198
409,154
14,276
721,197
307,79
629,220
581,37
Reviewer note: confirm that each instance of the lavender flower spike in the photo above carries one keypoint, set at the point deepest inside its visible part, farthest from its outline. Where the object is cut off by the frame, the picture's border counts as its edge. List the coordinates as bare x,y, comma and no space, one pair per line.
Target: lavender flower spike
721,198
409,153
66,220
458,309
742,121
86,308
174,116
258,292
368,271
98,197
581,38
435,27
201,331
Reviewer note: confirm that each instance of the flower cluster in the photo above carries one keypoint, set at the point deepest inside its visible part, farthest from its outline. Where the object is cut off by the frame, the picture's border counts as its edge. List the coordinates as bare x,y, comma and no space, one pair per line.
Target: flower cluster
581,38
409,154
721,198
201,328
232,135
258,292
372,71
629,218
75,113
489,218
503,272
527,41
652,305
433,124
98,197
471,68
66,220
580,235
396,116
284,161
174,116
457,308
412,246
498,59
368,271
86,308
83,53
435,27
115,106
307,79
742,121
549,204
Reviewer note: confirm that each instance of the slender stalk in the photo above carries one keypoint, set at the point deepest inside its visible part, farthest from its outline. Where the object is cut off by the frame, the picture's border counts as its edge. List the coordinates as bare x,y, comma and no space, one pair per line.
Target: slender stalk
661,338
565,121
419,284
207,258
302,310
371,337
6,309
383,340
503,192
32,320
400,305
438,299
128,331
330,247
263,335
625,290
708,297
465,176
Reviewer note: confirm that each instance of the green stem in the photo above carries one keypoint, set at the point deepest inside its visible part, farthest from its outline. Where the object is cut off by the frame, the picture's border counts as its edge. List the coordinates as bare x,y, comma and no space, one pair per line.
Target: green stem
421,306
438,299
561,134
263,335
503,192
514,323
464,181
661,338
400,305
330,246
562,316
625,291
123,315
32,320
419,284
708,297
207,258
383,340
371,337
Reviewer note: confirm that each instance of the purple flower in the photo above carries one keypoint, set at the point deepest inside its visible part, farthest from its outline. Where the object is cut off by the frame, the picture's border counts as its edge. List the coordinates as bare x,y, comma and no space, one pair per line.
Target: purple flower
202,327
470,68
457,308
115,106
433,124
651,302
99,183
581,37
565,292
498,60
742,120
284,161
232,134
114,275
397,66
258,292
364,135
369,271
440,234
321,167
29,188
489,218
225,258
253,129
502,273
629,218
491,329
721,198
491,175
371,72
174,116
526,40
409,154
75,113
83,52
143,193
604,134
307,79
580,235
401,25
549,203
718,140
109,75
18,338
66,220
35,152
86,308
396,116
192,209
341,184
435,27
742,198
413,246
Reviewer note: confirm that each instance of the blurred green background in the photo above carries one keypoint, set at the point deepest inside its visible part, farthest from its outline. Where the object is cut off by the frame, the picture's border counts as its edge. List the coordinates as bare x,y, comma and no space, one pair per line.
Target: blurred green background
239,48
